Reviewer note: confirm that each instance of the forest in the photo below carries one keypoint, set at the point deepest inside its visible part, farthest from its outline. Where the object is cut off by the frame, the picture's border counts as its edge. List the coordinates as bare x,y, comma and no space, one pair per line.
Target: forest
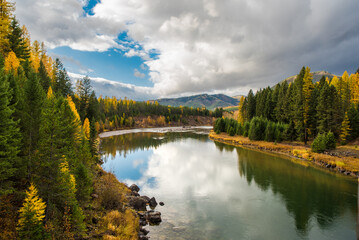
49,143
326,112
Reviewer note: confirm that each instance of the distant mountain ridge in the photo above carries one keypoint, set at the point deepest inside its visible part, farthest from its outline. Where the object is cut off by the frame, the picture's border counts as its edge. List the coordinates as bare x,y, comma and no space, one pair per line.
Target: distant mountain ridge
202,100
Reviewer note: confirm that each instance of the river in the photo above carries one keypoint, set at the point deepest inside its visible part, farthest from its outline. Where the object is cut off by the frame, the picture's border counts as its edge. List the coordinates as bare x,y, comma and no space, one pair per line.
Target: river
216,191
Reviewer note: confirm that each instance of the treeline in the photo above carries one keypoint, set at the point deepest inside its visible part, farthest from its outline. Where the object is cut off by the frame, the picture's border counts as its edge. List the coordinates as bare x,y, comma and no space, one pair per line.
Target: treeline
258,129
118,113
47,144
304,109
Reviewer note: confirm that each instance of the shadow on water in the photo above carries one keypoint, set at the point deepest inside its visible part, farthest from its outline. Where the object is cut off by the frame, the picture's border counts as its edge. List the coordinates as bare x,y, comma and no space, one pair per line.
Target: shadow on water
128,143
308,192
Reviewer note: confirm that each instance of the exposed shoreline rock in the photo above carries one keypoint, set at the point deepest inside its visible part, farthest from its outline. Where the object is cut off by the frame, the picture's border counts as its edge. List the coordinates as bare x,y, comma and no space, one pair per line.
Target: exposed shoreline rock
147,217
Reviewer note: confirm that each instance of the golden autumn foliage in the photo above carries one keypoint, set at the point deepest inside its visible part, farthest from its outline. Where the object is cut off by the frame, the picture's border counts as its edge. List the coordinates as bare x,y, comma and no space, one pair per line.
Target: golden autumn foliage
49,93
124,225
307,91
11,62
86,128
67,179
240,110
354,88
35,55
32,213
345,128
6,10
77,120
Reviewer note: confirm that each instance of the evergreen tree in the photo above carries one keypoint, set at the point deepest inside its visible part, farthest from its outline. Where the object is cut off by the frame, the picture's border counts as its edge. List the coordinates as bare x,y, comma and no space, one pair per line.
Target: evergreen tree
307,97
32,213
17,42
327,110
84,90
345,129
31,118
298,107
67,196
353,116
281,108
9,138
251,105
44,78
62,83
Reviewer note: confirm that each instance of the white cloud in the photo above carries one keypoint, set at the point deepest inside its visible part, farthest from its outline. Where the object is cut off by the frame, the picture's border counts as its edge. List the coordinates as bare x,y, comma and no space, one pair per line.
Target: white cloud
110,88
208,45
138,74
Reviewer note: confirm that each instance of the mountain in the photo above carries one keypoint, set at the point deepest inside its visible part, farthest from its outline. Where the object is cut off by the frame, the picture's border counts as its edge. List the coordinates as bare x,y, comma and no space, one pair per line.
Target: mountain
203,100
316,76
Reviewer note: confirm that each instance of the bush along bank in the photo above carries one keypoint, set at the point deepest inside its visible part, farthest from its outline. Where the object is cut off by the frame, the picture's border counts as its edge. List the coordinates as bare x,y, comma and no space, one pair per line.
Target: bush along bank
258,135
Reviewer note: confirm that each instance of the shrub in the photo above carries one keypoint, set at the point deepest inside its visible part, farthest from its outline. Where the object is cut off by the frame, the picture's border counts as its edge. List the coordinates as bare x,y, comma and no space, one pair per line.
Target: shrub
257,128
240,129
318,144
330,142
111,192
270,132
246,129
232,131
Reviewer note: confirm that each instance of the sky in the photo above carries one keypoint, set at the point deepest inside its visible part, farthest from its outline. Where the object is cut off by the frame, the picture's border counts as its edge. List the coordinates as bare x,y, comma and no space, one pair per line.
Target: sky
147,49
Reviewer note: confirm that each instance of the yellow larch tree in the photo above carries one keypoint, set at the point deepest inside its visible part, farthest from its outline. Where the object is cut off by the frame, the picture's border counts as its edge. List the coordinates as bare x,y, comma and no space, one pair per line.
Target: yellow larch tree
86,128
35,55
49,93
6,11
240,110
11,62
77,120
345,129
354,88
308,87
32,213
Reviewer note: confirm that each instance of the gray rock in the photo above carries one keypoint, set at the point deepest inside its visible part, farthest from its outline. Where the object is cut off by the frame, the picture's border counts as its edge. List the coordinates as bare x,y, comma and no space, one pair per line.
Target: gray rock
134,193
154,217
153,202
134,187
137,203
147,199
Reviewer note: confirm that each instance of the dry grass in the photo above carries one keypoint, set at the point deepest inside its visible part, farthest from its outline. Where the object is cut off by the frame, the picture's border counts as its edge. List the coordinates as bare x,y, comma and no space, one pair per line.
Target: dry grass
122,225
297,150
111,192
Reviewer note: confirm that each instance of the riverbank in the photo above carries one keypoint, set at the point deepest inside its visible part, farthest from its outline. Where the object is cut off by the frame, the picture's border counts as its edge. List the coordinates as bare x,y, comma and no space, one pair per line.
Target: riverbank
344,162
117,211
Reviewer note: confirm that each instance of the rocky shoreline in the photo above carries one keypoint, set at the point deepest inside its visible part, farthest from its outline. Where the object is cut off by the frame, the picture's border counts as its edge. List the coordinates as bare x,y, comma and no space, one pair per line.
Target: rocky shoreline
147,217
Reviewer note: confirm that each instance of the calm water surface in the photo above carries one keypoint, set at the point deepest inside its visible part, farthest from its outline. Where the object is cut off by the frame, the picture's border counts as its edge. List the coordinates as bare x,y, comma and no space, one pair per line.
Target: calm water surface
215,191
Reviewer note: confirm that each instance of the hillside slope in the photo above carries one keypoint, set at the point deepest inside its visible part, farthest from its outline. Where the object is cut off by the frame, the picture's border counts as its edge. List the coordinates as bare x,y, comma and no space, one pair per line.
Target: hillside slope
203,100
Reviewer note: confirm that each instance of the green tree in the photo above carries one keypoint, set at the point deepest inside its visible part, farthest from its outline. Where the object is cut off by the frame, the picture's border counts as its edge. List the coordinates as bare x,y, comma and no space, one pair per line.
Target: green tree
17,42
353,116
9,138
44,78
31,118
62,84
298,104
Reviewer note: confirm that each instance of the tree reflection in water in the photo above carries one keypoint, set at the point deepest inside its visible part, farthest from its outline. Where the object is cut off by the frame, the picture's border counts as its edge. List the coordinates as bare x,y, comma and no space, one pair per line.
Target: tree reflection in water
306,191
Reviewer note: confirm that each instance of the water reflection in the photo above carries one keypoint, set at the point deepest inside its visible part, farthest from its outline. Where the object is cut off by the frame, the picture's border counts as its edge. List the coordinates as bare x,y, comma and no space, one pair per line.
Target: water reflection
211,195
